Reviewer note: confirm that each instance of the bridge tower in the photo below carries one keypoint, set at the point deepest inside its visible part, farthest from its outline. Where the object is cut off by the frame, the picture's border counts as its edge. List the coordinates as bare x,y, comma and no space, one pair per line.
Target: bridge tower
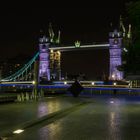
58,65
55,55
115,50
55,64
44,59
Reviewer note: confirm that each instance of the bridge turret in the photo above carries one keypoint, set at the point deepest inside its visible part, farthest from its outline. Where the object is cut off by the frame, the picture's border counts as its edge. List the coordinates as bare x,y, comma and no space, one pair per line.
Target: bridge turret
115,50
44,59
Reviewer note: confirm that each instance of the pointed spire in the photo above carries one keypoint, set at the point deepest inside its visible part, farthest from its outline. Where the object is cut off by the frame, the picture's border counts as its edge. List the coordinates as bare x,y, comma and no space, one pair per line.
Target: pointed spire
58,38
77,44
129,31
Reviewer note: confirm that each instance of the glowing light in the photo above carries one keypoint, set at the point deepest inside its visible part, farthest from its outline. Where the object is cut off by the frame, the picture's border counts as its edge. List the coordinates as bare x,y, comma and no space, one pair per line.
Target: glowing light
83,46
92,83
44,70
118,34
58,52
17,82
65,83
114,84
125,49
33,82
77,44
18,131
51,51
115,51
113,76
112,102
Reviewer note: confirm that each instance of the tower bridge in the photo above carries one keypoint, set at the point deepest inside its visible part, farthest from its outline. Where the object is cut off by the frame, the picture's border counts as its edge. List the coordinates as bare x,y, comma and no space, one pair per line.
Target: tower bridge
50,57
48,67
50,60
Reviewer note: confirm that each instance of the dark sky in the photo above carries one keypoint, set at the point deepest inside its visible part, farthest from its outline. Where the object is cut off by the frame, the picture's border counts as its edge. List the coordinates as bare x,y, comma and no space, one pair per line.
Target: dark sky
21,23
88,22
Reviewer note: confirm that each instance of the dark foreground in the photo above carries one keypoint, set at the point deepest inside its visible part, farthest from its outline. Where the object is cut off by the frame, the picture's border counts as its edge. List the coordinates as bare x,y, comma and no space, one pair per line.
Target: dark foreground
94,118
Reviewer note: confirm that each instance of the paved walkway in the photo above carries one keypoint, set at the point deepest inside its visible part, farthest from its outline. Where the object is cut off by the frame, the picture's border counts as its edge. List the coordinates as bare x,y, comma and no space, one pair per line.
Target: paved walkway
15,114
102,119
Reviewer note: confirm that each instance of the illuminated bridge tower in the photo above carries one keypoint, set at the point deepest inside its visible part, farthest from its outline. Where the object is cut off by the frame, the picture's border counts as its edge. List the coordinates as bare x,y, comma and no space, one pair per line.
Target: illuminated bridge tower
44,59
55,55
55,65
115,51
58,65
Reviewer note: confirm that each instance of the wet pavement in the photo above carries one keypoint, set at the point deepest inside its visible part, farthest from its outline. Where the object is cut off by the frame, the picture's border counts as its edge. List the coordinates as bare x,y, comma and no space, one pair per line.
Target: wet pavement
15,114
104,118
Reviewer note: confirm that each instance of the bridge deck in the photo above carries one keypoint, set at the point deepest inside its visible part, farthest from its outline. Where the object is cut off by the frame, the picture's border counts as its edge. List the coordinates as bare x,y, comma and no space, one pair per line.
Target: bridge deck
73,48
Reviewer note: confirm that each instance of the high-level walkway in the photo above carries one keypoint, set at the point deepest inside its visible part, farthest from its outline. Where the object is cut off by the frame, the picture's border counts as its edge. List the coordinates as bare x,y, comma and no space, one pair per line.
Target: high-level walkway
83,118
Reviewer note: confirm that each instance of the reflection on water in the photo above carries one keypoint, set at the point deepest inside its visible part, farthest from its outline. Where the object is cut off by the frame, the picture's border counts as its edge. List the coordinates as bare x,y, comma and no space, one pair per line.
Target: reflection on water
114,128
45,108
115,118
47,132
42,109
112,119
105,119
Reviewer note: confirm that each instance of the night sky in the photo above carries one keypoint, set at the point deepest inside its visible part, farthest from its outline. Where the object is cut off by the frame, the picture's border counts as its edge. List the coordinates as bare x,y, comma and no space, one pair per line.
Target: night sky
89,23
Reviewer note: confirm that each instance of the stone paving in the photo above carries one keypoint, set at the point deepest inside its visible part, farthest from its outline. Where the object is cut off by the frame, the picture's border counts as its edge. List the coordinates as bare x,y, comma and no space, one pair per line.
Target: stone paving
14,114
111,118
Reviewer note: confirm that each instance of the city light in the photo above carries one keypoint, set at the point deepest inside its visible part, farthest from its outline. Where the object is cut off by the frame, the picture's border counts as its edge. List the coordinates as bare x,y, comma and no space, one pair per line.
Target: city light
92,83
58,52
33,82
65,83
44,70
115,52
114,84
51,51
82,46
125,49
113,76
112,102
18,131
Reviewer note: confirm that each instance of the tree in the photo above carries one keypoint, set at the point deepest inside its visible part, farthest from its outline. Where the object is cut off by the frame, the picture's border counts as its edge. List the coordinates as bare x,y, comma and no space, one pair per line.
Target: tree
133,55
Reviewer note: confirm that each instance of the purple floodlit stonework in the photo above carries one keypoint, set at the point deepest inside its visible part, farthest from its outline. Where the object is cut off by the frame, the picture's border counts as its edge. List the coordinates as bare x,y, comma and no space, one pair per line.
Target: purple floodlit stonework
50,60
115,51
44,70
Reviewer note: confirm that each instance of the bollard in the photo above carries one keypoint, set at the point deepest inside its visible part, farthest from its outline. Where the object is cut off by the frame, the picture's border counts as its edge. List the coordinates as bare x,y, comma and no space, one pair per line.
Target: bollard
27,96
22,96
18,98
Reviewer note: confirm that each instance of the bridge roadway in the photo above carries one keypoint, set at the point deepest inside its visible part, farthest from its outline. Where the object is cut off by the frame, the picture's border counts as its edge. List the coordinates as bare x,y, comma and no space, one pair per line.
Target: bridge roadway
70,48
99,118
98,85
